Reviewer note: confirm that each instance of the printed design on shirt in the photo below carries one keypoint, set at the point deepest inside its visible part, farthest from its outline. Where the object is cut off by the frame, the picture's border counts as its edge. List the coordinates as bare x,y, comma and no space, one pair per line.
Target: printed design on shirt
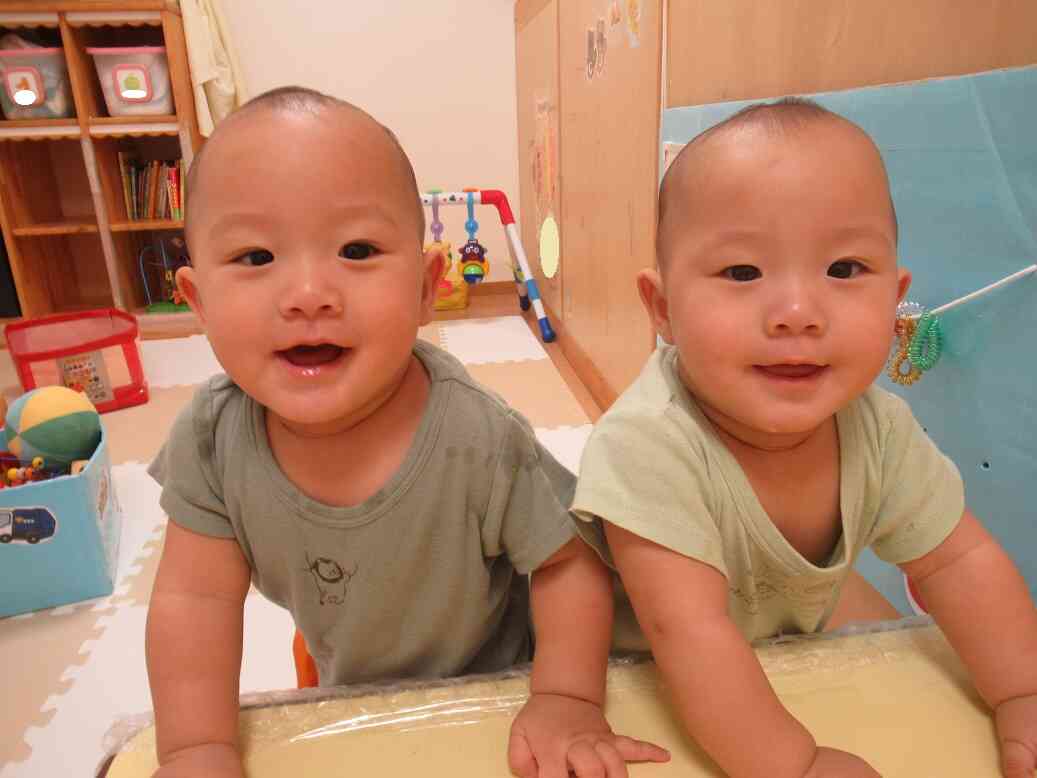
804,596
332,579
751,598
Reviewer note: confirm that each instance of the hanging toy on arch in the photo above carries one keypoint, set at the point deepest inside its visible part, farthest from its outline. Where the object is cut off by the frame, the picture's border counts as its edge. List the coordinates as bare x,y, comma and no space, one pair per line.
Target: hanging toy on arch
919,344
920,337
451,290
474,264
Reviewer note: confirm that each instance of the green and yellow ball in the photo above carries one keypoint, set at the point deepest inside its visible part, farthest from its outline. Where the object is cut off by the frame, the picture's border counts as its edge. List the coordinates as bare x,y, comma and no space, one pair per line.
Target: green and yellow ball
55,423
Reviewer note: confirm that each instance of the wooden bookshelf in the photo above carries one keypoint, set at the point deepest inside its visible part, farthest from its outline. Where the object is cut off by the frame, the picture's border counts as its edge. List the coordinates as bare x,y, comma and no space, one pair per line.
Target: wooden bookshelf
143,225
55,228
70,242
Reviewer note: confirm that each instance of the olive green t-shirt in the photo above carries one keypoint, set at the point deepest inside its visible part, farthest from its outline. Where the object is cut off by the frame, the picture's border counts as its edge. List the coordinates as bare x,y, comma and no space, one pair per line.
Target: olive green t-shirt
427,578
654,466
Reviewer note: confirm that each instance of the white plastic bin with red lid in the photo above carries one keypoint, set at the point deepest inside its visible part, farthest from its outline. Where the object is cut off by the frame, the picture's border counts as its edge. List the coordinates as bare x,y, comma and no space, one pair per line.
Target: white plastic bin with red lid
134,79
35,84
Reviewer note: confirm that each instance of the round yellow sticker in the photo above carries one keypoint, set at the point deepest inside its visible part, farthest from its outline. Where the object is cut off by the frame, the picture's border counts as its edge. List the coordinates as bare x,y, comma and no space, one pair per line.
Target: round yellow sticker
549,247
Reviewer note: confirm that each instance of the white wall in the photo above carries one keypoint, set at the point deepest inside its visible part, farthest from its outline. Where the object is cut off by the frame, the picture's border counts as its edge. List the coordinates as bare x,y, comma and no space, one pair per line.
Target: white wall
438,73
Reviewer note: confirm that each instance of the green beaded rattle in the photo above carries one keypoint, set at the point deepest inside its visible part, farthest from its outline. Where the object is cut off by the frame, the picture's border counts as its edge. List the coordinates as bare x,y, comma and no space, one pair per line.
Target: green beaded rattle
927,342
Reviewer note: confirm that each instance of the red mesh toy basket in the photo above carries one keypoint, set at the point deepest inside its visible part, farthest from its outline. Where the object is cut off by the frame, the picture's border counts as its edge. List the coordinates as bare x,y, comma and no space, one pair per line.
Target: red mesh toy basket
91,351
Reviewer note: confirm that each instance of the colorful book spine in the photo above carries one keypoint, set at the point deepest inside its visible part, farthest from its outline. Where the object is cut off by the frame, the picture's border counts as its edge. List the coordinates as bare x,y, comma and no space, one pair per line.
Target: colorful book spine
151,189
153,177
183,187
162,208
124,175
175,175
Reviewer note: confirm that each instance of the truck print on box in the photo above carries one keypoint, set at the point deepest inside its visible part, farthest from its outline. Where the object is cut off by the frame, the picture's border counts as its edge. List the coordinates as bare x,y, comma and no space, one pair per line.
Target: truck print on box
29,525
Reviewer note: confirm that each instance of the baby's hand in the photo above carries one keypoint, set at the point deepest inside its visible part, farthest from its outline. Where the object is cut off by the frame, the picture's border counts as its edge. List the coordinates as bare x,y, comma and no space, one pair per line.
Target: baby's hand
1017,732
832,763
210,761
554,734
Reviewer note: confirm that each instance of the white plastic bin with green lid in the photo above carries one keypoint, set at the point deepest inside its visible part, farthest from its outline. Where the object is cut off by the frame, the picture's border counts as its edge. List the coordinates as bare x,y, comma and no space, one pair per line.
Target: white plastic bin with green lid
34,83
134,79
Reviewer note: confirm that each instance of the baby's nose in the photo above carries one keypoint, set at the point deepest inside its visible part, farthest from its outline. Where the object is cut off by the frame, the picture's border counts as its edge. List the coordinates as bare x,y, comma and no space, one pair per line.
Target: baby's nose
311,294
796,312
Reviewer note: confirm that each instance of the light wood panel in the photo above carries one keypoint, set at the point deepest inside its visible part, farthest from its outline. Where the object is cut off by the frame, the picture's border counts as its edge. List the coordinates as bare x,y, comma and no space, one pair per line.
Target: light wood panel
536,51
609,132
744,49
527,10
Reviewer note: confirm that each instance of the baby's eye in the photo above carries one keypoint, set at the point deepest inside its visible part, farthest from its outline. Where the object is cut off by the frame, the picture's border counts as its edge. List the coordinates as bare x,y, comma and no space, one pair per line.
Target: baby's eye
742,272
255,258
845,268
357,251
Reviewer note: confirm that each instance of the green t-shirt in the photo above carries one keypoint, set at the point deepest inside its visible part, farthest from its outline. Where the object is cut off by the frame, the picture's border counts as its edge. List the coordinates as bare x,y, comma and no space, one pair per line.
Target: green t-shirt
424,579
654,466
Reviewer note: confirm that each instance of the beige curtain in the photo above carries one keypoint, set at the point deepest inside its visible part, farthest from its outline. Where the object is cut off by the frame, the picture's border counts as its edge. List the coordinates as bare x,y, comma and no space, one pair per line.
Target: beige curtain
215,71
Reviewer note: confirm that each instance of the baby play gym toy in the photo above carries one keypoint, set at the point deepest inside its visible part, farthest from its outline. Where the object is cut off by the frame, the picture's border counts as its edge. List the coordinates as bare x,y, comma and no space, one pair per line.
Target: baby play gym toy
473,265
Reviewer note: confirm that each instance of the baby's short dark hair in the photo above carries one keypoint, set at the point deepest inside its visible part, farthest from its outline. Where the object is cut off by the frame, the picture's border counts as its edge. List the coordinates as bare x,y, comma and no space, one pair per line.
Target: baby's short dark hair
784,116
298,100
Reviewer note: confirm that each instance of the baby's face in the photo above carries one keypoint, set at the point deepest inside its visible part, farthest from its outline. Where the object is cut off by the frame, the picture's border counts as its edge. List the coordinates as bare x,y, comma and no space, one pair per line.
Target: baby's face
308,270
781,279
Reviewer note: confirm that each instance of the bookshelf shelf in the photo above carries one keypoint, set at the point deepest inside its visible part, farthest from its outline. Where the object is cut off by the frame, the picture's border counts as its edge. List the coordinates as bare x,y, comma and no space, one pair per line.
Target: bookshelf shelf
63,204
28,19
55,228
38,130
124,130
117,18
21,124
166,325
146,225
119,121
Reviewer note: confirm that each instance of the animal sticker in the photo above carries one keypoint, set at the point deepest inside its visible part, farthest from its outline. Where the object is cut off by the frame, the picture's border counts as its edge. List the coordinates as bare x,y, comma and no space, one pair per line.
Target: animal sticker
331,578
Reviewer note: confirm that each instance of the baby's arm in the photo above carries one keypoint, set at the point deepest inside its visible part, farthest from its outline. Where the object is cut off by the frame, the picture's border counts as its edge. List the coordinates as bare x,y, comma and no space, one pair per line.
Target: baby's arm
194,637
718,686
981,602
562,727
572,613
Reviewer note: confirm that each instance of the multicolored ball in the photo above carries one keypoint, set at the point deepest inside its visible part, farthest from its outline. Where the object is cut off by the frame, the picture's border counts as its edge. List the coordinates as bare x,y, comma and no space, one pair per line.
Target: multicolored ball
55,423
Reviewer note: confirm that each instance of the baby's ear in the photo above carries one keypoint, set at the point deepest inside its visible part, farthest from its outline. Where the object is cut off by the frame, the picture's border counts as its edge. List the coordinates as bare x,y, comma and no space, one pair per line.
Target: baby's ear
434,263
903,283
653,296
186,282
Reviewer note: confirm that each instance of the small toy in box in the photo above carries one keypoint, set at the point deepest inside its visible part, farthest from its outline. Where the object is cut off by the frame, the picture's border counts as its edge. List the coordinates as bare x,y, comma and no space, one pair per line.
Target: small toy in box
59,537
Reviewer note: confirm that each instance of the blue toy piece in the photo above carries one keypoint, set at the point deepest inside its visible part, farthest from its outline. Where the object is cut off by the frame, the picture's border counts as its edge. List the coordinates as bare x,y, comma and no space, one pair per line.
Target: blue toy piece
473,262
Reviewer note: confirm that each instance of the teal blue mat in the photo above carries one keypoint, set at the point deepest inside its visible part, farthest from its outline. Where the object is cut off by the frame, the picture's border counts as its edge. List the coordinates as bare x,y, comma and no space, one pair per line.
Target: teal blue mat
962,160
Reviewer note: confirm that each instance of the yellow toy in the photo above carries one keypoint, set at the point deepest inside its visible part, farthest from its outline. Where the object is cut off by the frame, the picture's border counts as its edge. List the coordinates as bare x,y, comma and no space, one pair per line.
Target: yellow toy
452,291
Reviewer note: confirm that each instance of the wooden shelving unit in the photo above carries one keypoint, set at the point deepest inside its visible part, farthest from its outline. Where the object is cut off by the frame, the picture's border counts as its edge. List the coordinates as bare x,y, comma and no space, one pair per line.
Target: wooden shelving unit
69,239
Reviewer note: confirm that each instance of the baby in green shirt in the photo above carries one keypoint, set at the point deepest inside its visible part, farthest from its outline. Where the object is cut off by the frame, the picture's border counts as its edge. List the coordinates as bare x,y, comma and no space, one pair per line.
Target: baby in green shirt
742,473
358,477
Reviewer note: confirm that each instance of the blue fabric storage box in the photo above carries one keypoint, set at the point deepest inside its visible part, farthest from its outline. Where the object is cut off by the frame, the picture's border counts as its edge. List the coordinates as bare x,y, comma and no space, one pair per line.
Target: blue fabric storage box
59,539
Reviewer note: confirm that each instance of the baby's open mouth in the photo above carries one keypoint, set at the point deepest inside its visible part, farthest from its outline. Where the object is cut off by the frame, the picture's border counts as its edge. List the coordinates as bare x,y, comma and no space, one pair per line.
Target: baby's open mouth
312,356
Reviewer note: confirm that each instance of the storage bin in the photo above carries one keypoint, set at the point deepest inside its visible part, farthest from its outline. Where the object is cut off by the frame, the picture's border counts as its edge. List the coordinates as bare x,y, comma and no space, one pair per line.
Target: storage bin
92,351
59,539
35,84
134,79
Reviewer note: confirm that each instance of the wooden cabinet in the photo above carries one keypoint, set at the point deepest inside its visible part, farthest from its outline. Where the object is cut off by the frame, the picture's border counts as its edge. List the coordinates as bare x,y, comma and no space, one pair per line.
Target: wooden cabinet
70,241
588,86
